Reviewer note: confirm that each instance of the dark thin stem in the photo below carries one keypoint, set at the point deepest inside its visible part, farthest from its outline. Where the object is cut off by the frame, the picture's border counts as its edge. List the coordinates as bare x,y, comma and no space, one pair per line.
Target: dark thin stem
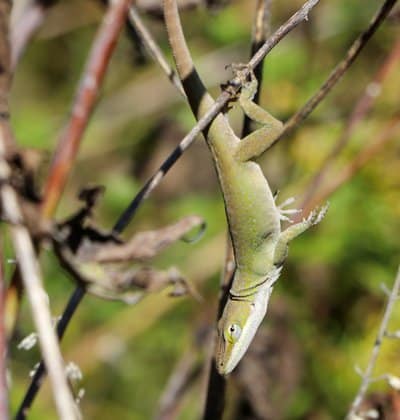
261,30
216,389
40,372
209,116
215,401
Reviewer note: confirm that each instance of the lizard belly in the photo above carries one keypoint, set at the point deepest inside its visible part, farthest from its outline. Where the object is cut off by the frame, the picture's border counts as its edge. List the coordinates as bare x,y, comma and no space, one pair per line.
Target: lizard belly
252,215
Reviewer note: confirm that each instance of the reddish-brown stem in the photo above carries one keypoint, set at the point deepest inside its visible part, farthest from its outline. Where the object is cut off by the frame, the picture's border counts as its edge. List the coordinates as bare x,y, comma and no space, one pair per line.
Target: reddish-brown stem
71,136
91,80
361,109
351,169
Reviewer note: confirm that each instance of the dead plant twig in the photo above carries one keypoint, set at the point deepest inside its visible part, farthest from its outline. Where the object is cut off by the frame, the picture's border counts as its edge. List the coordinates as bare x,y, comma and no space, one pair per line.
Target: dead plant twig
367,374
69,142
151,45
186,370
23,246
37,297
91,260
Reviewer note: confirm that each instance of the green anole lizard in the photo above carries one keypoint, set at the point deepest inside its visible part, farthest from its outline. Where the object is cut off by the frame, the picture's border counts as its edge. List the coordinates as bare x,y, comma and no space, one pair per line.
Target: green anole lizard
254,220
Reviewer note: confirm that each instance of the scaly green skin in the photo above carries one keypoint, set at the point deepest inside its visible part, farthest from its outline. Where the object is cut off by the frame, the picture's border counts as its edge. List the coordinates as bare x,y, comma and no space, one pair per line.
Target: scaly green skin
253,217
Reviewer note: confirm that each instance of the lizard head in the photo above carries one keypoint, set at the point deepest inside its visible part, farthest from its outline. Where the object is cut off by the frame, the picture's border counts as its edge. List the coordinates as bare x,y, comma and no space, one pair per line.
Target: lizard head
237,328
232,335
239,323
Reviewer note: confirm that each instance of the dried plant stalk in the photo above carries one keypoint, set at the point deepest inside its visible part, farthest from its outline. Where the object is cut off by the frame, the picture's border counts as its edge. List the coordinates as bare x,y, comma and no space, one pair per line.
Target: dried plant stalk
92,78
37,297
367,375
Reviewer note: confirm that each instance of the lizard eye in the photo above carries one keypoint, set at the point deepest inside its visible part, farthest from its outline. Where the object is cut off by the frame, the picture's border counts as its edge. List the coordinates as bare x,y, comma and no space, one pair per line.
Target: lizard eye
233,333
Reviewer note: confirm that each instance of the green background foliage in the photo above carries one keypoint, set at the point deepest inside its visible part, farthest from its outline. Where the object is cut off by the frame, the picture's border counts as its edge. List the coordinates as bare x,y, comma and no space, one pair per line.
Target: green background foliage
329,292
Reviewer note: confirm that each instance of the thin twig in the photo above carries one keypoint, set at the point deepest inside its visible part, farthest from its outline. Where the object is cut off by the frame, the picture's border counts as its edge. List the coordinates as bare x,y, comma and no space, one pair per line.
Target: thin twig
366,377
21,31
261,31
23,246
362,107
186,370
300,16
339,70
150,43
155,6
3,342
93,75
69,142
37,297
204,122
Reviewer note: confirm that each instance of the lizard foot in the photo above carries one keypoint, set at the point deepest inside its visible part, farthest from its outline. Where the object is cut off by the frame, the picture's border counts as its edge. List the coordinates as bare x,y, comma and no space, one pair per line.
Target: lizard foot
284,213
317,215
245,78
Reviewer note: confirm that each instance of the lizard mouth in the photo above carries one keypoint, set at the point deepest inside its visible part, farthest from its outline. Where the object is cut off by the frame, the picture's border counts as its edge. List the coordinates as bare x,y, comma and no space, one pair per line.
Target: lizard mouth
220,356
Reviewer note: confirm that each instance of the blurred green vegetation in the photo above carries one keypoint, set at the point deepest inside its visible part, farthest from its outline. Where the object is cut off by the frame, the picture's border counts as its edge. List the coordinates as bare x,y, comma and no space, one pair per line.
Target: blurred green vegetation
330,286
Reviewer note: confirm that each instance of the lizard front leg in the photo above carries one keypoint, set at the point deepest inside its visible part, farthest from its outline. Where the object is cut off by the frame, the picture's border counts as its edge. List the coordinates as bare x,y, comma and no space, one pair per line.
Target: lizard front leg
295,230
260,140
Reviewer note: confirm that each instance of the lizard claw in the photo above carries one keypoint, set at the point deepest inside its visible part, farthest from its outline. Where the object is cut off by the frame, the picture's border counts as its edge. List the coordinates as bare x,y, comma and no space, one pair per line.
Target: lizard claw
317,215
284,212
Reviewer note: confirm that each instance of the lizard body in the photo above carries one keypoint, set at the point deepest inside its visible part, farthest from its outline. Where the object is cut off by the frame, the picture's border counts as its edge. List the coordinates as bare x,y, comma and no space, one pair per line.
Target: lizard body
259,245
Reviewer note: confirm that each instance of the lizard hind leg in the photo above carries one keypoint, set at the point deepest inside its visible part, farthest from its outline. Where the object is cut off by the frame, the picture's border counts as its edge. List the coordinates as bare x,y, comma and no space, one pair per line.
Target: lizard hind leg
295,230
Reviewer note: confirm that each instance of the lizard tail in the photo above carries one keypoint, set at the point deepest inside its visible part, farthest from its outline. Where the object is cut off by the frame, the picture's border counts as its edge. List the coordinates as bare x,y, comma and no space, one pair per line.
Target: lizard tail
198,97
180,50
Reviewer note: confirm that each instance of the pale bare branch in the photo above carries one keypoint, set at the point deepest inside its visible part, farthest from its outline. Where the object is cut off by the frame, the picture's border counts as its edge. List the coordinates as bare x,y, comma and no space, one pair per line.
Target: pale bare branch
367,374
